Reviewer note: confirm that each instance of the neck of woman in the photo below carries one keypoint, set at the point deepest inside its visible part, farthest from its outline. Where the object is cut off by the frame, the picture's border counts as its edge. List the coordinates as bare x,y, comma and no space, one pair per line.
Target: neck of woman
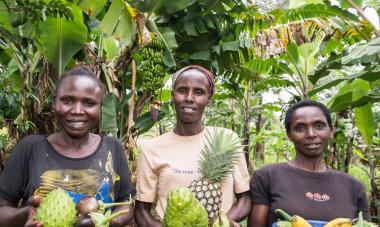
188,129
308,164
74,147
67,141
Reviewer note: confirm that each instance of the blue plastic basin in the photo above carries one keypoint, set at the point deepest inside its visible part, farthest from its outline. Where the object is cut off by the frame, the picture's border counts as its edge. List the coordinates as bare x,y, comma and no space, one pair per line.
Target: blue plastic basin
312,223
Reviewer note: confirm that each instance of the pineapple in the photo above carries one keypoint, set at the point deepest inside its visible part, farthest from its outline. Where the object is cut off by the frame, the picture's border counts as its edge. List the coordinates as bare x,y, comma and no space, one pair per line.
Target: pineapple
217,159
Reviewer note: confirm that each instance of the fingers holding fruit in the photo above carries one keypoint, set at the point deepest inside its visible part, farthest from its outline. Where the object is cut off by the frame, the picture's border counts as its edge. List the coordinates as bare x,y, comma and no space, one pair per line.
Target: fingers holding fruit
57,209
33,203
93,212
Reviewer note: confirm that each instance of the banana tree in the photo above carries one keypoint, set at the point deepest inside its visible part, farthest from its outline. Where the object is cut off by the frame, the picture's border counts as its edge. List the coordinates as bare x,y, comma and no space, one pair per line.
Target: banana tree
299,42
40,39
22,25
248,81
359,91
301,35
359,5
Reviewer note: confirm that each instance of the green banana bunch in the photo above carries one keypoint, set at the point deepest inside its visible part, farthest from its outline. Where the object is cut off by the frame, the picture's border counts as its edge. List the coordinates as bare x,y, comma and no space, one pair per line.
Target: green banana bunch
152,67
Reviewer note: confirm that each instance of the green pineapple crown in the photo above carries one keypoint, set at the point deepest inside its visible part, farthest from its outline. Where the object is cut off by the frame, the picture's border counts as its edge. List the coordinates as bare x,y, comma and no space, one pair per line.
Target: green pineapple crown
218,155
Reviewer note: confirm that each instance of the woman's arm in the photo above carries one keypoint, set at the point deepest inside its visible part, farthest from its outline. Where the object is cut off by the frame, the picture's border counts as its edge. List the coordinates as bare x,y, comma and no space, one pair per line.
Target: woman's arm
13,216
241,208
143,217
258,216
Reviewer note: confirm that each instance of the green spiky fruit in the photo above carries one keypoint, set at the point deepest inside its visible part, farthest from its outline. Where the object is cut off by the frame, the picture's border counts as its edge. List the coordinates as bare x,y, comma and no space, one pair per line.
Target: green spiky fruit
217,159
57,209
183,209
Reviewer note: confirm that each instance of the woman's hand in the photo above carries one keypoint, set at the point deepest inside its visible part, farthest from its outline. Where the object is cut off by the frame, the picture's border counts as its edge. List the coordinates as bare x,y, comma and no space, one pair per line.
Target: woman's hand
33,203
143,217
241,208
235,224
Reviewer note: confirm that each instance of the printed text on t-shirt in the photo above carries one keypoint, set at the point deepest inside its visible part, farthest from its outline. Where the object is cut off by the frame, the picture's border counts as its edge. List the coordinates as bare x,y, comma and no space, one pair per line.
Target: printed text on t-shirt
183,171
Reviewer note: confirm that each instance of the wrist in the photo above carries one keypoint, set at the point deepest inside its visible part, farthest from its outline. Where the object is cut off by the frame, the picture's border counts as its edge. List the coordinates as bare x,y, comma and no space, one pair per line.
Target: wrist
23,213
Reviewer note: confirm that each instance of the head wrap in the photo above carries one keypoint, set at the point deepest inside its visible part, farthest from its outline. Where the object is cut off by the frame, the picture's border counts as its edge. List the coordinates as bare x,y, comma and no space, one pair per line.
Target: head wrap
208,74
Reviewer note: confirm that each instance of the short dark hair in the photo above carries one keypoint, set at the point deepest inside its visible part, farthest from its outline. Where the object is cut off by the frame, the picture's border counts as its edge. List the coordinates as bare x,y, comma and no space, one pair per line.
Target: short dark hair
304,103
80,70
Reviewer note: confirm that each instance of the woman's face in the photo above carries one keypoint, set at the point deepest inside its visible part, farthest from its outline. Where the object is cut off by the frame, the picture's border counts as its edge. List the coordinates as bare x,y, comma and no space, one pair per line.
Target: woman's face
77,105
309,131
190,96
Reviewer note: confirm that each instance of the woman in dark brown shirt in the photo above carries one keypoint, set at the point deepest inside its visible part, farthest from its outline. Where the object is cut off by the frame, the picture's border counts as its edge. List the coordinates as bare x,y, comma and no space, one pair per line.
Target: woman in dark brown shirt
305,186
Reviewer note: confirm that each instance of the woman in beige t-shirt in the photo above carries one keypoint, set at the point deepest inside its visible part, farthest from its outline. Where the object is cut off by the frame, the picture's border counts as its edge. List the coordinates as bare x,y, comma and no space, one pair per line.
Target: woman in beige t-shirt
170,160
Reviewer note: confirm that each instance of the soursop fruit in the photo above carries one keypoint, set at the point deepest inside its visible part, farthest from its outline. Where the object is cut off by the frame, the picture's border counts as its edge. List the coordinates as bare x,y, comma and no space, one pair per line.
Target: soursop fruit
183,209
57,209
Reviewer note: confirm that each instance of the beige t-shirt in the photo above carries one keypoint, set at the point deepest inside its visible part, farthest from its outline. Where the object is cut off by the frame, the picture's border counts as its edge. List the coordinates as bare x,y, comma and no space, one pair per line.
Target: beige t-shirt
171,161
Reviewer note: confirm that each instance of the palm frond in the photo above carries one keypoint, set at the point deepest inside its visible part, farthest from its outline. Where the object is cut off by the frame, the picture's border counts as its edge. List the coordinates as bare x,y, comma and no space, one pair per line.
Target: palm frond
251,70
316,11
253,20
265,84
239,74
267,66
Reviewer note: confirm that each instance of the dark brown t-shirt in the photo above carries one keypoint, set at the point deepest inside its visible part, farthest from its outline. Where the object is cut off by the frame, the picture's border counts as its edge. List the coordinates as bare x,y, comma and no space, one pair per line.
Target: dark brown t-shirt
311,195
36,167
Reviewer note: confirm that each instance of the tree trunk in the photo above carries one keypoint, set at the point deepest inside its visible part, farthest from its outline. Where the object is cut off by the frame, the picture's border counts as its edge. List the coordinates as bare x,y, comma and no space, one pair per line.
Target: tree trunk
2,159
347,160
161,128
142,99
233,127
373,202
247,120
259,147
338,156
246,138
331,159
305,95
349,148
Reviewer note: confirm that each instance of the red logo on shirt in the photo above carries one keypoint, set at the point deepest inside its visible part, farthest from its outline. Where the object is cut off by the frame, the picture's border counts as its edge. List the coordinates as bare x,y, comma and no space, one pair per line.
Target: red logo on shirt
317,196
